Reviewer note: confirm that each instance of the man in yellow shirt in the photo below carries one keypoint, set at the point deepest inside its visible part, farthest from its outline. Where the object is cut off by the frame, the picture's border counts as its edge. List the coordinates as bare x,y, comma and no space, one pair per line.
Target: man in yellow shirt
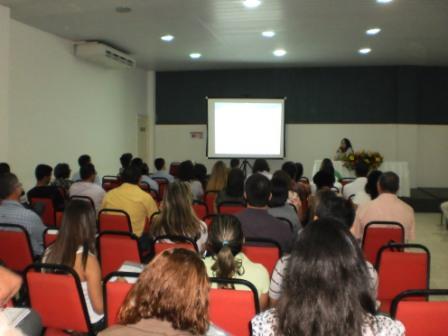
131,198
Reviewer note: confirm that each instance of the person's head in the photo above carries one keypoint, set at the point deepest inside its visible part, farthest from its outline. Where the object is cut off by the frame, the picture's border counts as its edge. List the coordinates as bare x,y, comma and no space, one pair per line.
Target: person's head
200,172
84,159
125,160
257,191
137,162
159,163
260,165
371,187
62,171
325,290
327,165
78,228
235,183
234,163
361,169
389,182
323,179
299,167
10,187
280,184
218,178
173,287
43,174
145,169
290,168
329,205
88,173
345,144
4,168
132,174
186,171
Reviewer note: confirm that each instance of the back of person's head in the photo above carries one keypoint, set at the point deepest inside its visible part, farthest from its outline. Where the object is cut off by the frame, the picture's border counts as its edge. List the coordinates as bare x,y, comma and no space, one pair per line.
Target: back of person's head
84,159
361,169
327,165
159,163
137,162
200,172
325,291
235,183
43,171
62,171
145,169
389,182
258,190
186,171
329,205
218,178
299,167
225,241
323,179
125,160
371,187
4,168
280,184
78,228
87,171
173,287
131,174
260,165
9,186
234,163
290,168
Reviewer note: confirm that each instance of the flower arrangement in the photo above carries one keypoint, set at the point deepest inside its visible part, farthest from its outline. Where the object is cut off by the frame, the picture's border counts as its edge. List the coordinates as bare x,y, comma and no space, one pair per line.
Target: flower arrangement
372,159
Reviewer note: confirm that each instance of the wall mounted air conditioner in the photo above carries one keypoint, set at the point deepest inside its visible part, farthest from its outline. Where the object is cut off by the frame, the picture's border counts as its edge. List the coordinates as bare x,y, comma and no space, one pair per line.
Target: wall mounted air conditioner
104,55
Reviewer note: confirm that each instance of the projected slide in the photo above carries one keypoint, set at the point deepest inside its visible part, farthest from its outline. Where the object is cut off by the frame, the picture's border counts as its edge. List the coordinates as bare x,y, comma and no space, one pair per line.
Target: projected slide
245,128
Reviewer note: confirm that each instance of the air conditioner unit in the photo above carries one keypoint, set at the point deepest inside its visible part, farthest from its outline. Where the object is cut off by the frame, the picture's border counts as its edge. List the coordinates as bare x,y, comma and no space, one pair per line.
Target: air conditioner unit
103,55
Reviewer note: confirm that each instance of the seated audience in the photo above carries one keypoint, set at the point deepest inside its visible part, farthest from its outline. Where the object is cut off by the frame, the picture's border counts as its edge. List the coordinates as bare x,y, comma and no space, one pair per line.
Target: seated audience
321,181
327,166
61,177
186,174
12,212
44,190
125,161
177,216
169,298
234,189
87,186
325,289
200,174
234,163
256,221
4,168
131,198
83,160
361,171
161,172
137,162
386,207
370,191
218,178
261,166
75,247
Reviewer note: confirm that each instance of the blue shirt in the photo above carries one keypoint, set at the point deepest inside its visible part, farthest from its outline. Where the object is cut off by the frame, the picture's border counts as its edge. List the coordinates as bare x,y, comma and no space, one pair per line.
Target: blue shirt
164,174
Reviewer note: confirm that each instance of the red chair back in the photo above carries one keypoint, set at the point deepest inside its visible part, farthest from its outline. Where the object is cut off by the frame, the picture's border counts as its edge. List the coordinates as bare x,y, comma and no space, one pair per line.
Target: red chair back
378,234
230,208
115,248
50,236
210,199
174,169
48,215
161,244
208,220
110,182
265,255
114,220
232,310
15,247
163,185
201,209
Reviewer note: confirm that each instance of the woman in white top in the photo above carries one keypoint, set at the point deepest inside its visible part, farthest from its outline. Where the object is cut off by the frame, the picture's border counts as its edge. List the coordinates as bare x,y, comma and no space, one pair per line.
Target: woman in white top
370,191
326,289
75,248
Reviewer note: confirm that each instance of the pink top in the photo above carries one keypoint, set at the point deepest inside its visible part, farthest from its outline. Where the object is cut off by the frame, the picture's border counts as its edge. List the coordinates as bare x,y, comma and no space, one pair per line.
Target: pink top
386,207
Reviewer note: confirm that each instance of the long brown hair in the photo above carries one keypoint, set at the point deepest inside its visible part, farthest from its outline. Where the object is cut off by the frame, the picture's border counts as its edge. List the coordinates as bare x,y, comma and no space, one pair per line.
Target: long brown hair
77,229
177,216
173,287
218,178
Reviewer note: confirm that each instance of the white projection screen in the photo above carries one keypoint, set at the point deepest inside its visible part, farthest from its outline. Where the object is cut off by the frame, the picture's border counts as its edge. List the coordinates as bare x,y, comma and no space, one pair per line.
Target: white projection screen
246,128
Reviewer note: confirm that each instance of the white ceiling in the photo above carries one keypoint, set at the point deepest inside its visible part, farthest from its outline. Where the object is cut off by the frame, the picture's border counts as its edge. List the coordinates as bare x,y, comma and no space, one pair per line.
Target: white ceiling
314,32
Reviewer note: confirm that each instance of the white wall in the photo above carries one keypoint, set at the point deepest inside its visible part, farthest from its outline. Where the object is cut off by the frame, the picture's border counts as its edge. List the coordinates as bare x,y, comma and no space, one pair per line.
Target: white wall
4,82
61,107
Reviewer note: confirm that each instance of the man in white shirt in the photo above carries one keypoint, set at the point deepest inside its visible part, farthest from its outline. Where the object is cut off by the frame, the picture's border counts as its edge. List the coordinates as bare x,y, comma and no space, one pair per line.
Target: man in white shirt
88,187
359,183
159,163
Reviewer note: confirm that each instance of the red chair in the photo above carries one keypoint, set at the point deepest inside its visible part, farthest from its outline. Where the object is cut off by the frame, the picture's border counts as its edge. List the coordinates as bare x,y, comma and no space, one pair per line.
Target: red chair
57,297
49,236
232,310
163,185
346,180
379,233
15,247
114,220
230,208
421,317
48,215
267,255
200,208
161,244
154,194
114,248
110,182
114,294
400,270
208,220
210,200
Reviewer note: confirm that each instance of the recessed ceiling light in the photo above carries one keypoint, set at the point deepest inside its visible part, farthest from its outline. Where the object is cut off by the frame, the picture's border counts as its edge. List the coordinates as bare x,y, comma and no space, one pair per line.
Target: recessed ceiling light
167,38
195,55
251,3
384,1
373,31
364,51
279,52
268,33
123,9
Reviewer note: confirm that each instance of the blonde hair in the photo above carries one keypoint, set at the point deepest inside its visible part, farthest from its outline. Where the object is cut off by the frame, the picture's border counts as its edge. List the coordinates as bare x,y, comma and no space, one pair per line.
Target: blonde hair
218,178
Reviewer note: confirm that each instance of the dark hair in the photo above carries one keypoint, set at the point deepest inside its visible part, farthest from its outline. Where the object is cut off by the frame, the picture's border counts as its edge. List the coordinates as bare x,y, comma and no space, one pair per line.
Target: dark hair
4,168
200,172
235,183
327,165
185,171
389,182
329,205
290,168
234,163
372,183
159,163
348,143
62,171
260,165
125,159
145,169
131,174
325,287
280,184
137,162
299,167
8,184
361,169
42,171
258,190
84,159
87,171
323,179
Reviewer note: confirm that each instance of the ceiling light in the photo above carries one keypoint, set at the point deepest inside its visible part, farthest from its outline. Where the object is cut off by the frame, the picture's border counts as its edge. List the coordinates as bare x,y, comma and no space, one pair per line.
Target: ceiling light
364,51
167,38
373,31
251,3
384,1
268,33
279,52
123,9
195,55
